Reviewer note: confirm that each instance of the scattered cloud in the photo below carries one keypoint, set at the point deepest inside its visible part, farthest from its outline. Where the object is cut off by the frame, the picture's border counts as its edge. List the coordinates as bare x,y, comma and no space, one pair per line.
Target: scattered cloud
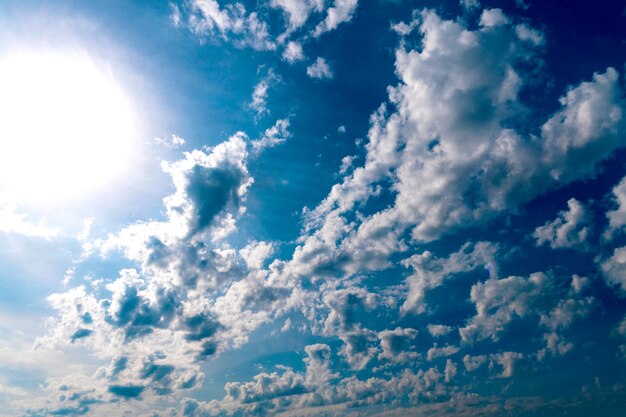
319,69
570,228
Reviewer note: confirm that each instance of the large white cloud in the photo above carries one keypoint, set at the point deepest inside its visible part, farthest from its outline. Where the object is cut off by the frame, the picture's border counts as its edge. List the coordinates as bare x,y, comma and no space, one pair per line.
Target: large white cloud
449,151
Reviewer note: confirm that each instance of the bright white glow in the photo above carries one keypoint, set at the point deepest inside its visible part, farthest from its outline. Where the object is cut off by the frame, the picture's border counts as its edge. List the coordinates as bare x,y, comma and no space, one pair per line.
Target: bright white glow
66,128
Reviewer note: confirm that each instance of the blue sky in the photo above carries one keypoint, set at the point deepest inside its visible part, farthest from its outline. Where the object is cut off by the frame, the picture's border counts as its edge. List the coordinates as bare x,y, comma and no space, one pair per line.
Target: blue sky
312,208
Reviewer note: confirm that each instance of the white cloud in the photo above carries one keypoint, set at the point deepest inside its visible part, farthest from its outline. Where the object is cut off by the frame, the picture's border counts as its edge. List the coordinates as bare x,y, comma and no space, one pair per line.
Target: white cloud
570,228
438,330
11,221
260,93
448,153
173,142
441,352
358,348
617,217
431,272
469,4
493,17
507,361
555,346
256,253
293,52
231,23
341,11
450,371
297,11
346,164
273,136
472,363
155,324
319,69
396,344
614,269
499,301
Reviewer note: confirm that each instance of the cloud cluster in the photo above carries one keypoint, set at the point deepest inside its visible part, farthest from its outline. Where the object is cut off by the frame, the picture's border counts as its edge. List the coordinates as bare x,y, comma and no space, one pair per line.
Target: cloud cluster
446,154
302,20
449,154
157,323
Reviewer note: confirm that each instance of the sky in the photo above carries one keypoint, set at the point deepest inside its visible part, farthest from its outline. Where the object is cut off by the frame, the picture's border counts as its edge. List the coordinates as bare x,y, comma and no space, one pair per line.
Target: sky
306,208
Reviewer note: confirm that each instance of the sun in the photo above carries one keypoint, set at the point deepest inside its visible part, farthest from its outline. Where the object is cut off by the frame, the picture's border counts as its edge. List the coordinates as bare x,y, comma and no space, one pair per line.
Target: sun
66,127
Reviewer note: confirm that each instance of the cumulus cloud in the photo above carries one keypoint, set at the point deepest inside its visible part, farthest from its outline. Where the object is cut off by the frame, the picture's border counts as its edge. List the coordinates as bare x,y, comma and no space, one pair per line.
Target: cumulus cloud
614,269
569,229
309,392
617,217
319,69
297,11
396,344
448,149
341,11
441,352
446,153
293,52
158,322
431,272
499,301
206,18
259,95
438,330
273,136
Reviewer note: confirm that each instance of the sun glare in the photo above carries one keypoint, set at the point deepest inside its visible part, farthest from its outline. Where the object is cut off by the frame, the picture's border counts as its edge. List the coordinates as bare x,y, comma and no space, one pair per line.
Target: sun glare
66,127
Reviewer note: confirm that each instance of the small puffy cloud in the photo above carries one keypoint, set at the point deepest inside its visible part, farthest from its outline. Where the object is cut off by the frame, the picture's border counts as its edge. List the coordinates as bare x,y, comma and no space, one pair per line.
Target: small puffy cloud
472,363
297,12
614,269
259,95
528,34
273,136
293,52
396,344
438,330
441,352
341,11
229,23
343,305
499,301
617,217
358,348
507,361
493,17
555,346
255,253
431,272
450,370
320,69
266,386
346,164
469,4
569,229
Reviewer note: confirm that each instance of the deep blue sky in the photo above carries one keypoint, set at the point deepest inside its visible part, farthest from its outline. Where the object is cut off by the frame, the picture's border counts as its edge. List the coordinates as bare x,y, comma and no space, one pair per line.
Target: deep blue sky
325,208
